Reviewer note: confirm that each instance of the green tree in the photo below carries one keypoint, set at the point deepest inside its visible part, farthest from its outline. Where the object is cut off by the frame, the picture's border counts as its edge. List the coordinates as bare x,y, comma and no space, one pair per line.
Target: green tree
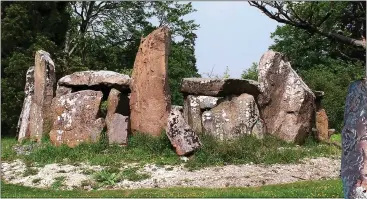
314,38
88,36
106,35
251,73
342,21
26,28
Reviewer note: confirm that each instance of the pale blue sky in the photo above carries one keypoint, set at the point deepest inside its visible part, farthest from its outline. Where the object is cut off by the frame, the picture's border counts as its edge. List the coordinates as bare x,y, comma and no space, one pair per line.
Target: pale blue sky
232,34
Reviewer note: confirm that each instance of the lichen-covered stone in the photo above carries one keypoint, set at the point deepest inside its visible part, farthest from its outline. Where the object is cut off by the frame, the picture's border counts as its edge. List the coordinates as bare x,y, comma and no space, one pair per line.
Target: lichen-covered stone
286,103
234,117
150,100
118,128
23,122
354,142
44,81
95,79
182,137
207,102
192,113
62,90
76,118
219,87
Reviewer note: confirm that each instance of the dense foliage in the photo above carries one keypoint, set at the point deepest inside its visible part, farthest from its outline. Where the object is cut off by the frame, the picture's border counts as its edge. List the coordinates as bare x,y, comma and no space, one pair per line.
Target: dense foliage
324,62
87,36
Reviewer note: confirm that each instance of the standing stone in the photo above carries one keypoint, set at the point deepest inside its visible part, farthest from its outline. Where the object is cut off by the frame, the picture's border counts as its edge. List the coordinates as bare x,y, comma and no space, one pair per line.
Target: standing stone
77,118
322,125
117,118
150,100
180,134
117,129
286,103
234,117
322,121
23,122
354,142
44,80
192,113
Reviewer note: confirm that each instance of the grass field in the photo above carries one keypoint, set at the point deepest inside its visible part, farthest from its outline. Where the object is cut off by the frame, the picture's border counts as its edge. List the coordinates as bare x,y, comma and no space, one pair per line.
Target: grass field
306,189
145,149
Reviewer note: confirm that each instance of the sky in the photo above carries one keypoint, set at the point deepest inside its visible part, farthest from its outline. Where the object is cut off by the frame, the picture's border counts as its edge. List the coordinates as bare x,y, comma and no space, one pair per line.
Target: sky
231,33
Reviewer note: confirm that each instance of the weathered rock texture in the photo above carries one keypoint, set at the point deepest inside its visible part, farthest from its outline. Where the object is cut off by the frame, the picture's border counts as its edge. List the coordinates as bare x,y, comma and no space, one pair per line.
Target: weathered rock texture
62,90
92,79
322,125
23,122
118,129
286,103
77,118
150,100
44,81
180,134
354,134
117,118
207,102
192,113
219,87
194,107
234,117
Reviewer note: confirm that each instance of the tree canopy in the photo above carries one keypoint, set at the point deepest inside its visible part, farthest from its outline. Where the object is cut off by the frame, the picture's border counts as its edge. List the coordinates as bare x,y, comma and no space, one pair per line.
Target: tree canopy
88,35
313,36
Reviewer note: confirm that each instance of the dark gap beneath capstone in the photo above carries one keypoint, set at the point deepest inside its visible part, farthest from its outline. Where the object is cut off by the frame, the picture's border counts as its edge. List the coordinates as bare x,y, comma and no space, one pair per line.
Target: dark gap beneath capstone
104,88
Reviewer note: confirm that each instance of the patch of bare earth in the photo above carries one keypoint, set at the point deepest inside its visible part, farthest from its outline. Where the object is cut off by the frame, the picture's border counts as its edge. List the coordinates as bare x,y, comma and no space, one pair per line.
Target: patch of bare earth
245,175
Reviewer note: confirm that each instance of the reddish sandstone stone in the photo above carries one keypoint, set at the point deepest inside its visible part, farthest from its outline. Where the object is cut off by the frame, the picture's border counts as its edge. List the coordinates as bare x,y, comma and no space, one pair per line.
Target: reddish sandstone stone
150,101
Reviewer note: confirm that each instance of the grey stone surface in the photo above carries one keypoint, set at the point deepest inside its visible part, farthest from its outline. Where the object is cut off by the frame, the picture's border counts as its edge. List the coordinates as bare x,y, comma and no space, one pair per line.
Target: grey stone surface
182,137
286,103
233,118
219,87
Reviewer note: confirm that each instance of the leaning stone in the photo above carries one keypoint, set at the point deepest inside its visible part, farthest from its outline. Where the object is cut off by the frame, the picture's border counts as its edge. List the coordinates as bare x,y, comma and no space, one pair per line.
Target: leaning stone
233,118
76,118
286,103
180,134
23,122
192,113
44,81
102,78
354,142
218,87
150,100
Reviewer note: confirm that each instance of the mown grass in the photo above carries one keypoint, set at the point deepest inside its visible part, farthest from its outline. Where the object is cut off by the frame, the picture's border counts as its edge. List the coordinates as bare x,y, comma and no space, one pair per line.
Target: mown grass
306,189
336,138
158,150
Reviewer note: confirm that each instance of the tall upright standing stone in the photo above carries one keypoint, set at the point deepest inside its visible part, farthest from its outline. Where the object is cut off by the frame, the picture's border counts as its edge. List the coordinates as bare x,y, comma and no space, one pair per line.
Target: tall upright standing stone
286,103
150,101
23,122
44,81
354,142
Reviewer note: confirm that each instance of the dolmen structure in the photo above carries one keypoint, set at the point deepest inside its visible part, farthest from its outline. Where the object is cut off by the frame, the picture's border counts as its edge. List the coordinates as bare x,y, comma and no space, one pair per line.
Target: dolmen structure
70,111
